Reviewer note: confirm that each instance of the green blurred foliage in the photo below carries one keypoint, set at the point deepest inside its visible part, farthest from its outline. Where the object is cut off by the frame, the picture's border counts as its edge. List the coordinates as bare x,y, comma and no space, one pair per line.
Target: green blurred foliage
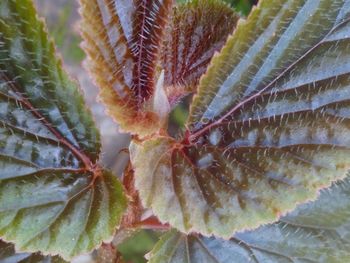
134,249
62,18
179,115
66,37
241,6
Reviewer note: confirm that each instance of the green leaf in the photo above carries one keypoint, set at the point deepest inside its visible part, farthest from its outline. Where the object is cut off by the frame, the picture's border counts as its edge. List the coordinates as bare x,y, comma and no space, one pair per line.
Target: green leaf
54,196
9,255
242,6
135,247
197,29
314,232
268,128
122,41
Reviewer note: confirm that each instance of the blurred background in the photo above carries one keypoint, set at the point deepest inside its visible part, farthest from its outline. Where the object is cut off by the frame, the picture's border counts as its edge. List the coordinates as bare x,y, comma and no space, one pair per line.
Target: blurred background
62,20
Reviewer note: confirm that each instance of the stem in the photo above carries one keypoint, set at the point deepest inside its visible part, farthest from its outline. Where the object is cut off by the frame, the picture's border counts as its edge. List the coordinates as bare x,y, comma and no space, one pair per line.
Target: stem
153,223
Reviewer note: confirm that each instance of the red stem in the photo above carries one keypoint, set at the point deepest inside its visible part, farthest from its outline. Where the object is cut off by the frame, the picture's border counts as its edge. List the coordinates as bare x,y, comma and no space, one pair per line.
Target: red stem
153,223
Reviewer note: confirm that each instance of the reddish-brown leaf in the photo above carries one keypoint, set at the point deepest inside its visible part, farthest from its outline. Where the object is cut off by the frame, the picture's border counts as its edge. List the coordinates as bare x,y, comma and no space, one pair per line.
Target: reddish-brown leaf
196,30
122,41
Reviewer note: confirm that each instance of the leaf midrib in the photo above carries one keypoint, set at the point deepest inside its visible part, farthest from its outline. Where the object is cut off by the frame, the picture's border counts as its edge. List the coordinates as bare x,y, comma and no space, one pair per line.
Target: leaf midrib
141,54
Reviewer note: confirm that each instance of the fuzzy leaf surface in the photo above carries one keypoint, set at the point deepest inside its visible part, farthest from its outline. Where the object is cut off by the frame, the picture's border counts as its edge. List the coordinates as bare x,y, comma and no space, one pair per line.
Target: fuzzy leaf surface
122,41
197,29
315,232
54,196
9,255
268,128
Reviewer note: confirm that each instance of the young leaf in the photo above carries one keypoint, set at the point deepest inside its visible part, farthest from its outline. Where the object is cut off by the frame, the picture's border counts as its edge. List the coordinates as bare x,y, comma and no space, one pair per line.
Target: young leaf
197,29
268,128
314,232
54,196
9,255
122,40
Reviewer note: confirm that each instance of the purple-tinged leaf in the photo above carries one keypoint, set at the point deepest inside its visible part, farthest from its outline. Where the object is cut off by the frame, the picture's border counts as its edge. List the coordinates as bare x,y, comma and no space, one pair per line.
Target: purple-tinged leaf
197,29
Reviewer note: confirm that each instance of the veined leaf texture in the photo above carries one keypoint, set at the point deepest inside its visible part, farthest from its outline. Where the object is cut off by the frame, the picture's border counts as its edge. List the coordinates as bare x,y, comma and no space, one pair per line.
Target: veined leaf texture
315,232
122,40
54,196
268,128
195,32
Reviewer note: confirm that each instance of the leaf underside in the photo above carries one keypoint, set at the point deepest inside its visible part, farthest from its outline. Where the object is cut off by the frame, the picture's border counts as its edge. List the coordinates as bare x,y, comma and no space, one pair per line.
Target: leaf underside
122,41
9,255
54,197
314,232
268,128
196,30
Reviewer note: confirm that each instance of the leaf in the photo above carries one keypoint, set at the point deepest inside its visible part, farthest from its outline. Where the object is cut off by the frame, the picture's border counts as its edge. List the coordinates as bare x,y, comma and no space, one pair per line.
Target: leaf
197,29
268,128
314,232
122,41
54,196
9,255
